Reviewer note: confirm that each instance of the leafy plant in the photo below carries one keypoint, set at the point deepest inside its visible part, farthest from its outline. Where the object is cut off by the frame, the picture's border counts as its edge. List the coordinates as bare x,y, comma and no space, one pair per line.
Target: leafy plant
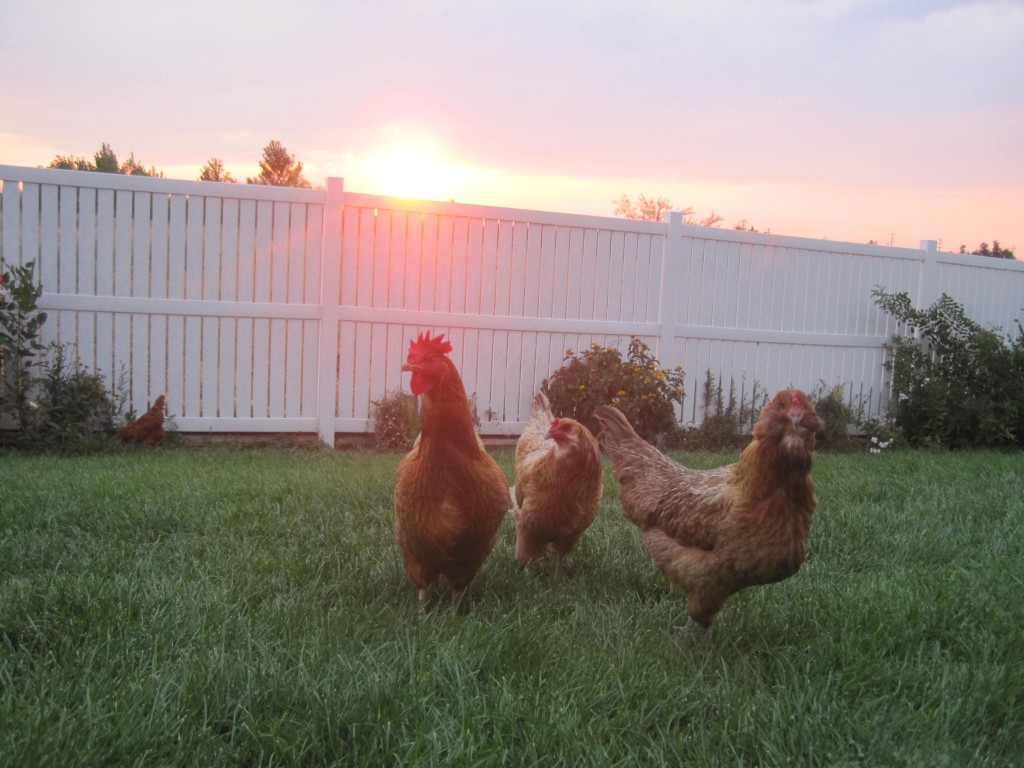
20,324
839,413
396,421
882,433
645,393
954,383
75,410
728,417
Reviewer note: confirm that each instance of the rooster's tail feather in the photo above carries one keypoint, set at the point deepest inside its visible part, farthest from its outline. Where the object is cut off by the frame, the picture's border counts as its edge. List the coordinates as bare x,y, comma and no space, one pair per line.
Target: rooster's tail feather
541,403
614,426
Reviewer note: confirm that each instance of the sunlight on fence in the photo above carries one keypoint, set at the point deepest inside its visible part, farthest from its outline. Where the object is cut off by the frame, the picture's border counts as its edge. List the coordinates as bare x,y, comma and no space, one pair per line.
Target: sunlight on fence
262,309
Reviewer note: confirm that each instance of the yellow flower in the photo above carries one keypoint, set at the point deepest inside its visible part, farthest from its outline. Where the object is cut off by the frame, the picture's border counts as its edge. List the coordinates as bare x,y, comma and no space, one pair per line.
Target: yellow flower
583,386
621,392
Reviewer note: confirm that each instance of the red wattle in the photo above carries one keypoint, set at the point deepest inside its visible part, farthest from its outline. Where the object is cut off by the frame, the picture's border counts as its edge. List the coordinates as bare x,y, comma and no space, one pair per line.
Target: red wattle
419,383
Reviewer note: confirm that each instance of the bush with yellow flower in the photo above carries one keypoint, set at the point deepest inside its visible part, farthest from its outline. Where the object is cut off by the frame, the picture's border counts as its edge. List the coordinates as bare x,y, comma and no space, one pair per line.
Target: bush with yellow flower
647,394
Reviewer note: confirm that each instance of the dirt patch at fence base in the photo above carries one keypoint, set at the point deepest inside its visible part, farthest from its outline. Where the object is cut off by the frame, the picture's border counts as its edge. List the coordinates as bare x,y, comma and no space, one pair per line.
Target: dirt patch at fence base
298,440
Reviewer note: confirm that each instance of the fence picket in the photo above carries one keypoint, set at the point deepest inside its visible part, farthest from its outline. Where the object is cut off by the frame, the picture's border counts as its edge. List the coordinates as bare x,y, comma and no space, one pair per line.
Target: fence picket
67,246
460,274
48,233
177,236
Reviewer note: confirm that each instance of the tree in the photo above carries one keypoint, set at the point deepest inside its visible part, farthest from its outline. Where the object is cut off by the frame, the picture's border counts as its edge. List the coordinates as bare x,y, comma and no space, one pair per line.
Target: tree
71,163
104,161
214,171
996,251
131,167
711,220
654,209
279,169
645,209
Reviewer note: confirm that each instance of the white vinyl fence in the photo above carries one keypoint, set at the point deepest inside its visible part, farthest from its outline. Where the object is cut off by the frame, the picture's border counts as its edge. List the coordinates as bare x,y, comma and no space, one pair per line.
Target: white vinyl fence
263,309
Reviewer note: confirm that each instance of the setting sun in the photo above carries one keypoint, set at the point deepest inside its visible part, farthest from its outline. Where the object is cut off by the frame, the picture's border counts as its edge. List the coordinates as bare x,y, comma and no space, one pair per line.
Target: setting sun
418,172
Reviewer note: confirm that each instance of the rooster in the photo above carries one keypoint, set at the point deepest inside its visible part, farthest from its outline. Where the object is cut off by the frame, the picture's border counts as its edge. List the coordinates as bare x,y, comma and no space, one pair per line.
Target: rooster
715,532
559,479
148,429
450,494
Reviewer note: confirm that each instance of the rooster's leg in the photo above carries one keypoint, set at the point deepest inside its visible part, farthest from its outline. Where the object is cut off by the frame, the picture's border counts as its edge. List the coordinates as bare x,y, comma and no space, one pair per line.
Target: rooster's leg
693,632
558,566
422,600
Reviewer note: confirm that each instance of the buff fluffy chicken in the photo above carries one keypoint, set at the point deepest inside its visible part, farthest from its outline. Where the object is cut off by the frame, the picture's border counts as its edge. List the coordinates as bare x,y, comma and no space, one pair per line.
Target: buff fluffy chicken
148,429
715,532
559,479
450,494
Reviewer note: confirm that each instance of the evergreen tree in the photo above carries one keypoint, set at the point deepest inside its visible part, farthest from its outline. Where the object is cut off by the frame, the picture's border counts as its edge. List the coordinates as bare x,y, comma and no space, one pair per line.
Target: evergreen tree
279,169
72,163
996,251
214,171
104,161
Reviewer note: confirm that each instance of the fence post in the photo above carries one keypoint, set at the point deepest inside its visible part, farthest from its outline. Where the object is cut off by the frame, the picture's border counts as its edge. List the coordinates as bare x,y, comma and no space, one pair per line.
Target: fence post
669,290
928,285
330,289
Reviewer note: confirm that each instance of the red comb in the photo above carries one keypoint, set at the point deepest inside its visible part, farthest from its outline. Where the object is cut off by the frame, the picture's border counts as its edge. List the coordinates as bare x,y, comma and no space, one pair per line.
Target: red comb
424,345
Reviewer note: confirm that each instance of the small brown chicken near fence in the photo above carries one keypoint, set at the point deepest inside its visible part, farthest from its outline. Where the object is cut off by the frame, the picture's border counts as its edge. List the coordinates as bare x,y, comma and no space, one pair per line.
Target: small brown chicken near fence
148,429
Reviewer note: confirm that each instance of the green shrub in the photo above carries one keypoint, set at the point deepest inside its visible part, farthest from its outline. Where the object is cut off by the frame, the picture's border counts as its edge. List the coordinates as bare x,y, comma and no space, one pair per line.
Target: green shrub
396,421
20,324
645,393
839,413
954,383
880,432
74,410
728,417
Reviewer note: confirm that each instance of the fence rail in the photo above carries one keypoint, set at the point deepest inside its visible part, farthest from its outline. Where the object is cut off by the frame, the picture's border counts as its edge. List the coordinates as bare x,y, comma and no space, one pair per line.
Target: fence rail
262,309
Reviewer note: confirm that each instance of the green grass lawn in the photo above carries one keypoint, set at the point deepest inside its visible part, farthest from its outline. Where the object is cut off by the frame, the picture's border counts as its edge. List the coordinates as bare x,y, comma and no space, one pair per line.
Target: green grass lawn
249,607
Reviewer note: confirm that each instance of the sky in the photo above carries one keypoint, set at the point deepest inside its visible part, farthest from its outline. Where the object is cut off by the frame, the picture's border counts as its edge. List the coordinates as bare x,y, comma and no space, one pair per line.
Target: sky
855,120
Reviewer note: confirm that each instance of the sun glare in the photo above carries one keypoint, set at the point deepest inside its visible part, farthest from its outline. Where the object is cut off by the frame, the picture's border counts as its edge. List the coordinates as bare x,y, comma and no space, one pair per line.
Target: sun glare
409,173
417,172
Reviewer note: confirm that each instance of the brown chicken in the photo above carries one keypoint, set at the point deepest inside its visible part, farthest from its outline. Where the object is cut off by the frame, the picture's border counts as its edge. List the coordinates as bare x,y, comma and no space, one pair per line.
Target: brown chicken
559,479
148,429
715,532
450,495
